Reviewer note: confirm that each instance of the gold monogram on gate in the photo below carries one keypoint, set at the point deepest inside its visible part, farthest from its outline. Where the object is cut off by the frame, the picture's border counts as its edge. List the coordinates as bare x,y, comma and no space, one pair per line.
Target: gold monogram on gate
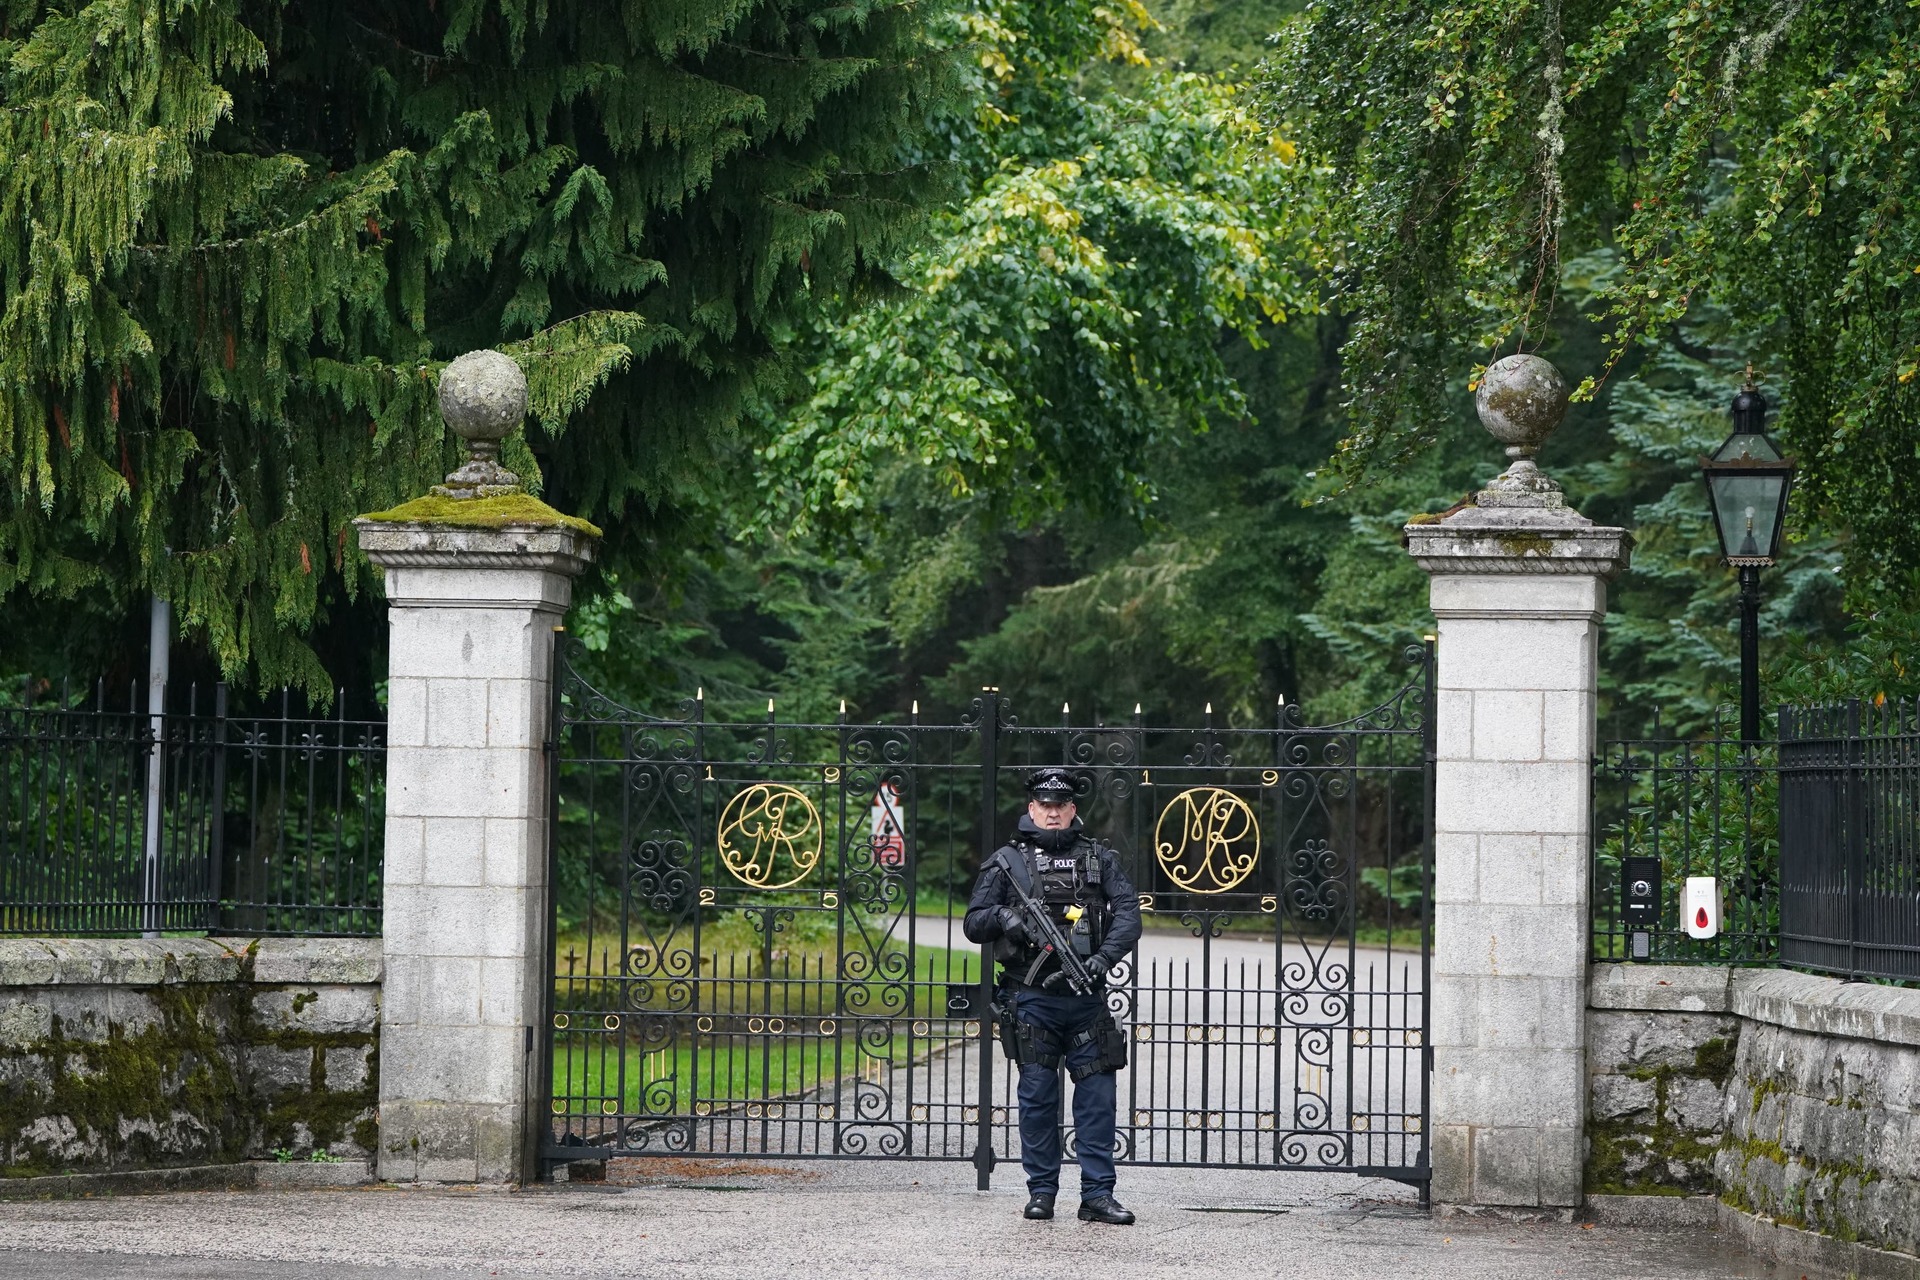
770,836
1207,840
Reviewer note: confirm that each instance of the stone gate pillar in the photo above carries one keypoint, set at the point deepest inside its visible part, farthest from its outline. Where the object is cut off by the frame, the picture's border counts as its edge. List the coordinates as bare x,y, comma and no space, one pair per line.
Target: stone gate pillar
1519,588
478,576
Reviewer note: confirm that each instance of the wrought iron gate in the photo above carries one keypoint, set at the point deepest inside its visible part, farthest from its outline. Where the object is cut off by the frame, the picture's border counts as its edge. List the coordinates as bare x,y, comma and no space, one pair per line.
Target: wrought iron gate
759,948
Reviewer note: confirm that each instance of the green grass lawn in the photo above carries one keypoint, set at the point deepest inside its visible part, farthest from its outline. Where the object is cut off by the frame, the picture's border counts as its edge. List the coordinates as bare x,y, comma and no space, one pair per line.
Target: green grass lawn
705,1075
748,1038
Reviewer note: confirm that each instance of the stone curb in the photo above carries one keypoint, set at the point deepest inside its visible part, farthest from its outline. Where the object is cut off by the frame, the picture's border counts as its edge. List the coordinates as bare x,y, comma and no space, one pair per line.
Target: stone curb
304,1175
1827,1006
149,962
253,1175
1660,988
1652,1211
1781,997
1809,1250
352,961
50,962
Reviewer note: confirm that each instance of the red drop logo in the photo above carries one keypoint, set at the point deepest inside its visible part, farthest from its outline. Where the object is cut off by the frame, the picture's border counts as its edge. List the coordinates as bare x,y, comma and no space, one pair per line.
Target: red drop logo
1700,918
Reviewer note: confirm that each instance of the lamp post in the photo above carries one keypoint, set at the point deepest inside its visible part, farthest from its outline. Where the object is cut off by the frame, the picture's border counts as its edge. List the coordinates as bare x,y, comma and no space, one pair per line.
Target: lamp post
1747,486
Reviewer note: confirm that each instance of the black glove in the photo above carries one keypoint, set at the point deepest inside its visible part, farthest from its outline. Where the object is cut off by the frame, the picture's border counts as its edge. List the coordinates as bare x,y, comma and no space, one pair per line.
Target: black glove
1055,983
1104,960
1012,928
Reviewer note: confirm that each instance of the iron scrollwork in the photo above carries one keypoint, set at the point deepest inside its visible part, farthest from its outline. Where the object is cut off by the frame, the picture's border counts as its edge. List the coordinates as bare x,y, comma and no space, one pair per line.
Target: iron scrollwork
1207,840
837,1014
770,836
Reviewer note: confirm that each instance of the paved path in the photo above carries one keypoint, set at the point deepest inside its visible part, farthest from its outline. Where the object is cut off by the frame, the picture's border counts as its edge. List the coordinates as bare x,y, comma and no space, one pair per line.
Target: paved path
1231,1064
828,1220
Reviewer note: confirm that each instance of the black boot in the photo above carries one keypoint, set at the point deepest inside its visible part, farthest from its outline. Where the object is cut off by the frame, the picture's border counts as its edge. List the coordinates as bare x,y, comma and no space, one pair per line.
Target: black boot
1106,1209
1040,1208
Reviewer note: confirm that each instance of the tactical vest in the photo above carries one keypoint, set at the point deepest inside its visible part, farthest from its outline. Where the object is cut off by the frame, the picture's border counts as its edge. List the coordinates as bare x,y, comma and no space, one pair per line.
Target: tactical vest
1062,879
1071,877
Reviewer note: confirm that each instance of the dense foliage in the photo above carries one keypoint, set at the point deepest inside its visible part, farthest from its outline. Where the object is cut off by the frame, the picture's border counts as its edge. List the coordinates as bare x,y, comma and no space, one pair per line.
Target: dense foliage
1044,461
1034,507
1132,409
1068,315
1747,159
239,237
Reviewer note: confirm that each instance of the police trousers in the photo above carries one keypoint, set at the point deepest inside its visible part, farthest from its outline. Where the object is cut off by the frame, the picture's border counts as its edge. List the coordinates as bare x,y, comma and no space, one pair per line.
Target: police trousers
1093,1098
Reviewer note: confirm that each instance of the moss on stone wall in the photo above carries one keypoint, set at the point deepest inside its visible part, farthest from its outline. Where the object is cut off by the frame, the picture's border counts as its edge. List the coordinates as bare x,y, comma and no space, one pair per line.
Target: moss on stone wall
121,1098
1634,1157
1806,1124
1525,544
1714,1060
482,513
1814,1190
1761,1175
1655,1119
173,1078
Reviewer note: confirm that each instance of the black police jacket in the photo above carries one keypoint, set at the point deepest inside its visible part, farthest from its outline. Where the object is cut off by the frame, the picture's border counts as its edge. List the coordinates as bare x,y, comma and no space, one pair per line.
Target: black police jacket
1117,906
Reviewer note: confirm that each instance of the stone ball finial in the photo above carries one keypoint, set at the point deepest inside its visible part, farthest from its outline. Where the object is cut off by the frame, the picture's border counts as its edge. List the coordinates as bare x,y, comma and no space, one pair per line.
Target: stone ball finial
1521,399
483,396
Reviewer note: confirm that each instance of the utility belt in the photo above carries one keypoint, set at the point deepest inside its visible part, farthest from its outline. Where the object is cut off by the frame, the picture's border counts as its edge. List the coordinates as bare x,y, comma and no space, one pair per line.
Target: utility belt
1027,1042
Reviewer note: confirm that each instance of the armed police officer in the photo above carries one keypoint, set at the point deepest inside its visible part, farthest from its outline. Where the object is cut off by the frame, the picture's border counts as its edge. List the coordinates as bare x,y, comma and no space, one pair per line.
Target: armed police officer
1062,913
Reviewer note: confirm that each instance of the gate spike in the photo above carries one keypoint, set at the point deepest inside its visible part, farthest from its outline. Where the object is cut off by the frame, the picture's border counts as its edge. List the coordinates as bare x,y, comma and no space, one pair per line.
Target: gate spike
1136,708
843,706
1209,708
916,706
699,693
769,706
1063,708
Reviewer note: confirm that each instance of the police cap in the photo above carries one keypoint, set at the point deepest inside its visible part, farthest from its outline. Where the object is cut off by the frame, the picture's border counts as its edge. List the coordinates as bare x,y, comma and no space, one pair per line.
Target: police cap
1051,784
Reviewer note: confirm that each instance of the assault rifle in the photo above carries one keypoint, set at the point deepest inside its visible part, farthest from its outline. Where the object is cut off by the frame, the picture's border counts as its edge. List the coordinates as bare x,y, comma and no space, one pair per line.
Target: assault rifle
1044,934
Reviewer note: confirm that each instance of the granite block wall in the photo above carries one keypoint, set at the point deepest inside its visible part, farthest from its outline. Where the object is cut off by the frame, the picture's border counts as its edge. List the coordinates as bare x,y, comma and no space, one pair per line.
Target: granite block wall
1785,1094
1823,1108
1660,1046
131,1053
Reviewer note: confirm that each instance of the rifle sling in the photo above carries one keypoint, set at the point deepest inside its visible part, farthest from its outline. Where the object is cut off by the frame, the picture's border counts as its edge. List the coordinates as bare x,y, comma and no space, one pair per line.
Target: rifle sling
1017,871
1022,877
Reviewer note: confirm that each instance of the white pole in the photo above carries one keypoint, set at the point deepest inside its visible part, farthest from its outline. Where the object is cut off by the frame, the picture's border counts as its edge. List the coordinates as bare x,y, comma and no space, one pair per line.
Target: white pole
159,660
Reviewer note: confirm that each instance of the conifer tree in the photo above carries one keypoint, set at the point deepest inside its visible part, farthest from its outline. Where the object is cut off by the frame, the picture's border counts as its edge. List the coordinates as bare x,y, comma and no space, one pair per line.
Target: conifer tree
238,238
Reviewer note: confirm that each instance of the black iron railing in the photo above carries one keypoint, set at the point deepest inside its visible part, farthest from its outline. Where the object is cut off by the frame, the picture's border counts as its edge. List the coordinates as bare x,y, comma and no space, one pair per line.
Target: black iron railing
114,821
759,946
1692,808
1813,839
1850,838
